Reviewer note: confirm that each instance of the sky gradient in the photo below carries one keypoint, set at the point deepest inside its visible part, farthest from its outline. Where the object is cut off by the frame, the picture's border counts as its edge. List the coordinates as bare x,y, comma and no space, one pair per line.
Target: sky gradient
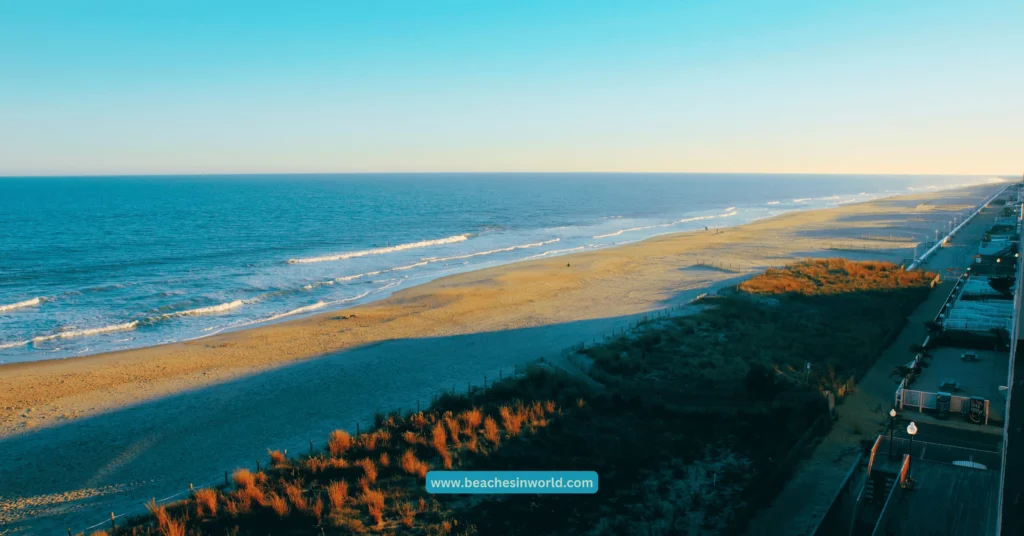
364,86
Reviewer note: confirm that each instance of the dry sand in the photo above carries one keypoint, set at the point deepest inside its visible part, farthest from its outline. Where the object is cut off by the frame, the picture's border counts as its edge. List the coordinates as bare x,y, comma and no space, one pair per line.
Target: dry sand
85,436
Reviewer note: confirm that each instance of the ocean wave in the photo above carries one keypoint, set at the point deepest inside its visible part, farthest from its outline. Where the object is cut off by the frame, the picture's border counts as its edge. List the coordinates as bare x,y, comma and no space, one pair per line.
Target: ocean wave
553,252
381,251
4,345
213,309
378,272
731,212
298,311
127,326
630,230
22,304
802,200
493,251
773,203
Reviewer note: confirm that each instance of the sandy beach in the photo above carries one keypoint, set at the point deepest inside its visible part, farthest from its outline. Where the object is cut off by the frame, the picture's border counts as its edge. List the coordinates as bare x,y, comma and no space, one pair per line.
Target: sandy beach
90,435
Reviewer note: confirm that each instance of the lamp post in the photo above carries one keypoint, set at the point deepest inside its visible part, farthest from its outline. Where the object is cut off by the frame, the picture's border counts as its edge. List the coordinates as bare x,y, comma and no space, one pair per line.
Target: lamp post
892,421
911,431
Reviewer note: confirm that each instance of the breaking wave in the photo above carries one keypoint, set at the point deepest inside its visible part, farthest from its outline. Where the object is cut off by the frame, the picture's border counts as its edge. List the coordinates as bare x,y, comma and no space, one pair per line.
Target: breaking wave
20,305
493,251
211,310
554,252
127,326
381,251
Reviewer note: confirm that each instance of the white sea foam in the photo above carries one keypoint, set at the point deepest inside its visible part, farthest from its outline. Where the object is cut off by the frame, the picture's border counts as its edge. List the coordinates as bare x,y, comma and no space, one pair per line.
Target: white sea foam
553,252
378,272
300,310
381,251
211,310
127,326
732,212
493,251
19,305
4,345
773,202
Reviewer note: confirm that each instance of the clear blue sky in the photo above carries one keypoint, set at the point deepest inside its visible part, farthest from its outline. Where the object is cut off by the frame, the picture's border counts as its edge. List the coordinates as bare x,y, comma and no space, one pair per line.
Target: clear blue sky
219,87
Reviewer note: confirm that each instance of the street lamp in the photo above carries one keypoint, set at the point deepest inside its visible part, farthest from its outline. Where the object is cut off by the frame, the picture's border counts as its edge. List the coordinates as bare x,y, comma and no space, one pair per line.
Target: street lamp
892,420
911,431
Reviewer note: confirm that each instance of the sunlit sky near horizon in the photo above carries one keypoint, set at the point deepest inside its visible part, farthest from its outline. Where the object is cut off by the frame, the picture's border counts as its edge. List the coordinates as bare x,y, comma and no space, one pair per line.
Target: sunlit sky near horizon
345,86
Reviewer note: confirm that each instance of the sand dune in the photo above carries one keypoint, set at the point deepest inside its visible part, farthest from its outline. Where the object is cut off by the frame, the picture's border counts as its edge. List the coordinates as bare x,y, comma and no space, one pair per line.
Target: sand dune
89,435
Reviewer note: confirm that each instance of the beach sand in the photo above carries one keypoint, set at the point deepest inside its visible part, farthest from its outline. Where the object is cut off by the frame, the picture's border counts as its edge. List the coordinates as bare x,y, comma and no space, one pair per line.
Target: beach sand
86,436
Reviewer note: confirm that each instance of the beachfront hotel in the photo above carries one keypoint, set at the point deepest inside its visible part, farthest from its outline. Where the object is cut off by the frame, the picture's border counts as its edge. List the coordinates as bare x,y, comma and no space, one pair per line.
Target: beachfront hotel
951,459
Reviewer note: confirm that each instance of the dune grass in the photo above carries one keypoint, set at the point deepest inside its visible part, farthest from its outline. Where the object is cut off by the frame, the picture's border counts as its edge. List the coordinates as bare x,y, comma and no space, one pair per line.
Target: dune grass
720,393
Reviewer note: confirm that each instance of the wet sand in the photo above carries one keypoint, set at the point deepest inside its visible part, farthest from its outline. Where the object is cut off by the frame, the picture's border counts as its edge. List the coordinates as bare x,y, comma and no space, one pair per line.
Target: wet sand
90,435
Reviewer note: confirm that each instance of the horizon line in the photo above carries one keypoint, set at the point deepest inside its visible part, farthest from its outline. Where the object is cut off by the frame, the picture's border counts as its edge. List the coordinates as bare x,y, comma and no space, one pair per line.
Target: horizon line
328,173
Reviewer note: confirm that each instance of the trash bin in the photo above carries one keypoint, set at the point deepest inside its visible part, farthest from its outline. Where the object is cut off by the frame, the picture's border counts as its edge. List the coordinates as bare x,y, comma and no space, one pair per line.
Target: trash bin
942,401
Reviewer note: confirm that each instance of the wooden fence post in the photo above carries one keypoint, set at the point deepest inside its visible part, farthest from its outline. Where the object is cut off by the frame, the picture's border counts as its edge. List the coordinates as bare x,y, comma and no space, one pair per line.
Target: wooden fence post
113,522
225,478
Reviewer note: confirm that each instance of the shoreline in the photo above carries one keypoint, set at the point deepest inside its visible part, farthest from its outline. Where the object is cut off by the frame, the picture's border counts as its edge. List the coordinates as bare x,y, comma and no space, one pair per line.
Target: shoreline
409,301
206,405
150,339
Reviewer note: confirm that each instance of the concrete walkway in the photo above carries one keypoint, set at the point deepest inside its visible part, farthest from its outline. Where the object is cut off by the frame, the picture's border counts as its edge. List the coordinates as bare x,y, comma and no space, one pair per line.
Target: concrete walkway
807,496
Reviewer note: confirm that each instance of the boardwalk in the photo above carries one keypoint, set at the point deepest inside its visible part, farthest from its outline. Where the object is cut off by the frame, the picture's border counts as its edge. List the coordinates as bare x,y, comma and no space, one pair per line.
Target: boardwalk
805,499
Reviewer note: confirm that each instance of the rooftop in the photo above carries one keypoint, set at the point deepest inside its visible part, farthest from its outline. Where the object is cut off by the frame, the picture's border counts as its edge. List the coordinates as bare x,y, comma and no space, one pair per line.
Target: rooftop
972,378
947,499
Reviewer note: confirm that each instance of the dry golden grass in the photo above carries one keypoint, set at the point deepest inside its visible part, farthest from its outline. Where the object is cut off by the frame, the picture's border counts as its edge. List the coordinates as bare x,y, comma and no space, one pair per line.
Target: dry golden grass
277,458
338,443
413,465
317,464
248,496
206,502
278,504
472,444
446,460
834,276
472,418
580,402
439,439
419,421
384,460
243,478
159,513
174,528
452,424
369,468
412,438
407,514
374,501
260,478
511,420
295,496
337,494
491,431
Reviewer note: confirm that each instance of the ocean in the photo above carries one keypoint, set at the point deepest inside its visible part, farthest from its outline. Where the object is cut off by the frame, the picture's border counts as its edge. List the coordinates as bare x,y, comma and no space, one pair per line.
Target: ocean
96,264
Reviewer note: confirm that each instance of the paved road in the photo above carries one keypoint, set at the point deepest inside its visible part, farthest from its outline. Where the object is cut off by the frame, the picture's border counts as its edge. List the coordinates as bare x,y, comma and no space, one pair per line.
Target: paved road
806,498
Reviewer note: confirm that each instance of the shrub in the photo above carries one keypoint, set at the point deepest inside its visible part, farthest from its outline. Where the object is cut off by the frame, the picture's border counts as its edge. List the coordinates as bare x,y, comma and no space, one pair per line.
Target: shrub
277,503
243,478
206,502
159,513
369,468
413,465
439,439
295,496
374,501
491,430
512,420
407,514
339,442
472,418
337,494
276,458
